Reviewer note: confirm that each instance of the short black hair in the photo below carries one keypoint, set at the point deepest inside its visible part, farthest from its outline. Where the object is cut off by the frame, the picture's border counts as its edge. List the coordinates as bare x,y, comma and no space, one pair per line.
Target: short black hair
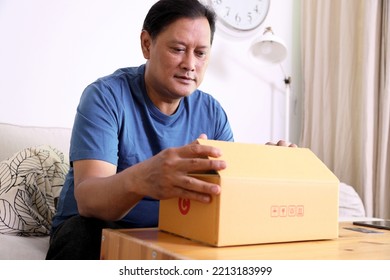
165,12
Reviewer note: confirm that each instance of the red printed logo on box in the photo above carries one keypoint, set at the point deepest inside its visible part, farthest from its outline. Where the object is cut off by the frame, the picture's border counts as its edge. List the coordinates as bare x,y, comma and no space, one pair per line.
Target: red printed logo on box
300,210
287,211
283,211
184,206
274,211
292,210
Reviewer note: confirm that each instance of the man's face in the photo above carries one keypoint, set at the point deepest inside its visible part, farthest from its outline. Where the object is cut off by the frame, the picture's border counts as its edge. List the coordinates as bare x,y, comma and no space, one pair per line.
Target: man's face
177,58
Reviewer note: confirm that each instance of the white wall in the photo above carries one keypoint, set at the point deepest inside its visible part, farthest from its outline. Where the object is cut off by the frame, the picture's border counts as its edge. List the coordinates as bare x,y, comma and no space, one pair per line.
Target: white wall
50,50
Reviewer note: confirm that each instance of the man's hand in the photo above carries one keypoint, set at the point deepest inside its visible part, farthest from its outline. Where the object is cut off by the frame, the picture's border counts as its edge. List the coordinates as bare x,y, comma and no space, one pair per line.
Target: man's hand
282,143
166,175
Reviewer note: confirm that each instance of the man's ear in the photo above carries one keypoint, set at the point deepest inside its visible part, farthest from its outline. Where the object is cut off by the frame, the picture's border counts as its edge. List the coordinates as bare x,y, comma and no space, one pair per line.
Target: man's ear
146,42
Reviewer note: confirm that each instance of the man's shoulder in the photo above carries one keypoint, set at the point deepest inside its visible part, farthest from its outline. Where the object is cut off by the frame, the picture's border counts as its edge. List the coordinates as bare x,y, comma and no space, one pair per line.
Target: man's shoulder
118,84
201,96
121,75
131,71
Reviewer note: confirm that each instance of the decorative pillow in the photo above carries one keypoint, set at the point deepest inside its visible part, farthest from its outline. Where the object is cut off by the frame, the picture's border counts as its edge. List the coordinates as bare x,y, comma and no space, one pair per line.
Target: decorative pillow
30,181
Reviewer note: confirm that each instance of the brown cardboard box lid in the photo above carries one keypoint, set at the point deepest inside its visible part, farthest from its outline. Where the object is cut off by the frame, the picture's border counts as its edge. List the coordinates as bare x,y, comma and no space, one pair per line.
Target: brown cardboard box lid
270,162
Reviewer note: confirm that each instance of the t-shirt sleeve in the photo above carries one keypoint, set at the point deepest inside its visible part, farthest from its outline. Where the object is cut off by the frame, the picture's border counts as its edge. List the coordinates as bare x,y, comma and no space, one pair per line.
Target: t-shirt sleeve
95,130
223,130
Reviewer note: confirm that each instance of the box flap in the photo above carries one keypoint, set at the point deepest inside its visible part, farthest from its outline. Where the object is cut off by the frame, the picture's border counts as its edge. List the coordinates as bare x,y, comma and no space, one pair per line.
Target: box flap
270,162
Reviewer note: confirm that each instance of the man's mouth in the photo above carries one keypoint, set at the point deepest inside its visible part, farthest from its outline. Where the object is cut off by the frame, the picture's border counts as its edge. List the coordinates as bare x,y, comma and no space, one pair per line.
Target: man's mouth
185,78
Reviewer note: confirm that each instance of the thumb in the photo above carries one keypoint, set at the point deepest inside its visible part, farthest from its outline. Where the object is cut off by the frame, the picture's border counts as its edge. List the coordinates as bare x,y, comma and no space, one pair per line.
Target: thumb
203,136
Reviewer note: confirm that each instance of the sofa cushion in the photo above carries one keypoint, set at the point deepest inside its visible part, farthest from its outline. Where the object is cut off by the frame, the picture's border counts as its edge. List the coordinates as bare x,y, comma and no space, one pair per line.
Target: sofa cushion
350,203
30,181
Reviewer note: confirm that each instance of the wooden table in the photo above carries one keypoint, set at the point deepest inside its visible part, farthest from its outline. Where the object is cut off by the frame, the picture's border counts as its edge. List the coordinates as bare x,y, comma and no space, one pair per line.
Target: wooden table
153,244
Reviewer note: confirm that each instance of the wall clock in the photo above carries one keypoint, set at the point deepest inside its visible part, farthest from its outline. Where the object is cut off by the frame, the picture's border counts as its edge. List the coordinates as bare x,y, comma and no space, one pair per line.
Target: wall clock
240,16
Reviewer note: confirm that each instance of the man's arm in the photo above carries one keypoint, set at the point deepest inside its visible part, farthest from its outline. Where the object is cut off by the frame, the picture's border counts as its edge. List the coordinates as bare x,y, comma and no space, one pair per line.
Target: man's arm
100,192
103,194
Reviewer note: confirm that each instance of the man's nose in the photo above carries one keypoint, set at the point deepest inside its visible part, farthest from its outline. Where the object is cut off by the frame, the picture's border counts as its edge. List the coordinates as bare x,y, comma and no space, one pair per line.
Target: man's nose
189,62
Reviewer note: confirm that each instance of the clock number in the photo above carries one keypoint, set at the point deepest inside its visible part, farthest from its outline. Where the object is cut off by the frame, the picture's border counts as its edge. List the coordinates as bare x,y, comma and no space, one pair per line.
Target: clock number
241,15
238,18
250,17
227,11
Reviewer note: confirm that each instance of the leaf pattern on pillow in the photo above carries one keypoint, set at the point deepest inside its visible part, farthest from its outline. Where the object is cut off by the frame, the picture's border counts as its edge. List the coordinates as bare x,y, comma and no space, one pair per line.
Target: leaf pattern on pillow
29,183
6,180
8,218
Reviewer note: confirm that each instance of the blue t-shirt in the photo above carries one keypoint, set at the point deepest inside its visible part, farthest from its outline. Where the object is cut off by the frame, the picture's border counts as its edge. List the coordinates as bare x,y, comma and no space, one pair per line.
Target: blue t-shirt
118,123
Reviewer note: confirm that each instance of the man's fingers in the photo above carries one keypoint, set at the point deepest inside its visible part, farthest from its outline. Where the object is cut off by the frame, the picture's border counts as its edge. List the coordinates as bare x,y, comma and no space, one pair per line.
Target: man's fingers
197,150
197,189
201,164
200,186
282,143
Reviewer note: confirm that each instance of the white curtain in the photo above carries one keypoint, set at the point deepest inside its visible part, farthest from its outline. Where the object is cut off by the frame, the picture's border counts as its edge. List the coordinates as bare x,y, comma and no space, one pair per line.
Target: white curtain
346,83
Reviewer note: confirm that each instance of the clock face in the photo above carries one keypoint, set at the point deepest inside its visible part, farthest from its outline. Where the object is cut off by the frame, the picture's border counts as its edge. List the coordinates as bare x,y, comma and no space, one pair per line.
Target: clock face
241,15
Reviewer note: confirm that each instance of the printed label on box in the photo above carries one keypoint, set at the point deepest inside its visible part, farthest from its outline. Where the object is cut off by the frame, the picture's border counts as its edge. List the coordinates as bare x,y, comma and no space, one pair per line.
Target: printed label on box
184,206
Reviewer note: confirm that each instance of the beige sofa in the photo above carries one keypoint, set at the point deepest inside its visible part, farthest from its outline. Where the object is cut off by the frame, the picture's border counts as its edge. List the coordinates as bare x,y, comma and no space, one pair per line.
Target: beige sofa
15,138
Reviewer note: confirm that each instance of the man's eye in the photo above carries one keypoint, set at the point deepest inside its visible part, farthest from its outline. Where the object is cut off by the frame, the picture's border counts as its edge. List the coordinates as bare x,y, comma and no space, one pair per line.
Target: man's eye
201,53
179,49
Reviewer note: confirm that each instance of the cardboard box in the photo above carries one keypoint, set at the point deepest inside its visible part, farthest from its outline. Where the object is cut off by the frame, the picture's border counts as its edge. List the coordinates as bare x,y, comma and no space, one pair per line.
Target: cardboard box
268,194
